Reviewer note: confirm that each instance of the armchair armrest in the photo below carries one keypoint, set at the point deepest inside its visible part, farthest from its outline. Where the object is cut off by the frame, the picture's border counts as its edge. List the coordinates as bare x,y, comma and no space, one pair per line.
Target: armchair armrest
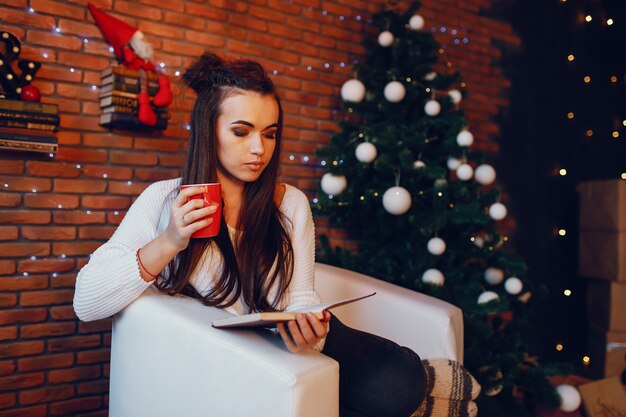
429,326
167,360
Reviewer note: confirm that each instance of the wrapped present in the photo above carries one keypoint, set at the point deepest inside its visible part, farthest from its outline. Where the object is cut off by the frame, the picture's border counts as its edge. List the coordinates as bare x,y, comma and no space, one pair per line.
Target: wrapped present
607,352
604,398
606,305
603,205
602,254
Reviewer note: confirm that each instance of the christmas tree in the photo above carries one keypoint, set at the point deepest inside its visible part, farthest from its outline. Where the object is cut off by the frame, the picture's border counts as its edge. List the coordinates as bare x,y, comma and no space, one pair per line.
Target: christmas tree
403,179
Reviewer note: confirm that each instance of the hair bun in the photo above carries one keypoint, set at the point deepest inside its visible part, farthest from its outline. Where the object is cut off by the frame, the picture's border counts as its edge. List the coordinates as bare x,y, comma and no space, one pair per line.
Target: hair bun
201,74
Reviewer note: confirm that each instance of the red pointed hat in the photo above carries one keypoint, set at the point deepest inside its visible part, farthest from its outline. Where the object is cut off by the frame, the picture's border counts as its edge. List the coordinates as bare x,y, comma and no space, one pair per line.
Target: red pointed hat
116,32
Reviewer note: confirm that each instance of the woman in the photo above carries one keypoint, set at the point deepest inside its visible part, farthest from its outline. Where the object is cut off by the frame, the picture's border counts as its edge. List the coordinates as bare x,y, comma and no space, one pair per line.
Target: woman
263,257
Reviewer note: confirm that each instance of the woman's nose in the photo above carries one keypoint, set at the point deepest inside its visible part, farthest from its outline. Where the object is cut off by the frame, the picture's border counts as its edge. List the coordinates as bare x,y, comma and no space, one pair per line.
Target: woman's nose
256,145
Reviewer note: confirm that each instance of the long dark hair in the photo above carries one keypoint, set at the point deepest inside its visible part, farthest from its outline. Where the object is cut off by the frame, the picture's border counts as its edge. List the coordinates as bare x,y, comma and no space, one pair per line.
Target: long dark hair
262,239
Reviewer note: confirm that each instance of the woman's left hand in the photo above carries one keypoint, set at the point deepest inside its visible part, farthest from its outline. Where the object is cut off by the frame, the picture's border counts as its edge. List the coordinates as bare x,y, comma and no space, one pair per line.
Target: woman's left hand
304,332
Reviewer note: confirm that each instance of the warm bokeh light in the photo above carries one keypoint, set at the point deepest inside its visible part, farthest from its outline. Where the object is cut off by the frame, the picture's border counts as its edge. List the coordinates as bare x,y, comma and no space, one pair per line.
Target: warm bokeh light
609,22
586,360
616,134
562,232
588,18
590,132
570,115
567,293
613,79
559,347
562,172
587,79
570,57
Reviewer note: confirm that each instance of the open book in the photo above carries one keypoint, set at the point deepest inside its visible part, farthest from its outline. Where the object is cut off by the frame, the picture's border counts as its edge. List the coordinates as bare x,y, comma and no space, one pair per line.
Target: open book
269,319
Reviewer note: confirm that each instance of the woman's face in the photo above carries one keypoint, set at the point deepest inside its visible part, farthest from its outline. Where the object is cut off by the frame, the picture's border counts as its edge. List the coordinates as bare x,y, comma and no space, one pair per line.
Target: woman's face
246,136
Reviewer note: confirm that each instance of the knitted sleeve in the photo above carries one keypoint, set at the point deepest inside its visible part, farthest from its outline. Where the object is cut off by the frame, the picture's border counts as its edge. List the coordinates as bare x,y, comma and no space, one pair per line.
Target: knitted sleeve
301,290
112,280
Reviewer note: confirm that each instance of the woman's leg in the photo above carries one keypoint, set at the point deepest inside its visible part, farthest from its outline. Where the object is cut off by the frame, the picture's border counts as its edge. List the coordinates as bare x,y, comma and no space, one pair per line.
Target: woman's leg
377,377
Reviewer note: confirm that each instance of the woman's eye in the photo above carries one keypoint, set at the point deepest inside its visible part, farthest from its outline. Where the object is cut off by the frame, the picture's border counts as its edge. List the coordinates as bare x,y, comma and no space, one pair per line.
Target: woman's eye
270,135
240,133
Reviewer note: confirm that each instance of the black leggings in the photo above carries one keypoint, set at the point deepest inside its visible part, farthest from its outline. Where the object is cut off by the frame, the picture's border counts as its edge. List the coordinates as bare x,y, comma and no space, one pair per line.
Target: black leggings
377,377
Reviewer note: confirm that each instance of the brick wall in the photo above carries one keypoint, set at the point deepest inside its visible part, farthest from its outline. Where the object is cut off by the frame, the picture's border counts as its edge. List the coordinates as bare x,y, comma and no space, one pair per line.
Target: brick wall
55,211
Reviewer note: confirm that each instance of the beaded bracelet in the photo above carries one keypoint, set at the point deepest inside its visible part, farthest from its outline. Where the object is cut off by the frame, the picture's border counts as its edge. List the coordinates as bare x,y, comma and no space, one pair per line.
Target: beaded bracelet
144,268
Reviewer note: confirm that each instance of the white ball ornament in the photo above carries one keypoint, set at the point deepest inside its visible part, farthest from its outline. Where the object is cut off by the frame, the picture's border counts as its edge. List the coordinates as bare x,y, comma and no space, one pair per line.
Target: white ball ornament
494,276
493,391
513,285
570,397
455,96
333,184
453,164
465,138
464,172
366,152
385,38
497,211
353,90
488,296
436,246
433,276
485,174
394,91
419,164
432,108
416,22
397,200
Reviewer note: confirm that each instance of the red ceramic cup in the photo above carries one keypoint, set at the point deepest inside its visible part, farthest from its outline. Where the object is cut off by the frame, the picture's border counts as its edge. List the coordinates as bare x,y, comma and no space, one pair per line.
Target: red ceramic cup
212,194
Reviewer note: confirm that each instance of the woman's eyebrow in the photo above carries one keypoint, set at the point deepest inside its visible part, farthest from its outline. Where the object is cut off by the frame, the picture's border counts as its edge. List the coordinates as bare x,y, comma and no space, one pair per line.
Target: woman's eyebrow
243,122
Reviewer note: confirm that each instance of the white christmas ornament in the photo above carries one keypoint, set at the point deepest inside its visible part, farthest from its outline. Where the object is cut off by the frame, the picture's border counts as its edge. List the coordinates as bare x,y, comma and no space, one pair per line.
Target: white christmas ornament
419,164
487,296
453,164
493,391
432,108
479,241
433,276
353,90
570,397
394,91
430,76
455,96
436,246
485,174
397,200
494,276
416,22
497,211
366,152
333,184
385,38
465,172
513,285
465,138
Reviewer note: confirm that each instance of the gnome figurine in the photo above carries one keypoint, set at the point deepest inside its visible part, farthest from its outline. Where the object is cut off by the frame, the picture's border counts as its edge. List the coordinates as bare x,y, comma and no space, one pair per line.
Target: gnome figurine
134,52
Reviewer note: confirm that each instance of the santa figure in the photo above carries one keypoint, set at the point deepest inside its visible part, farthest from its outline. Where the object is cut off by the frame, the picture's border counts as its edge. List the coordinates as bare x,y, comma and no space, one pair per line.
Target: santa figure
134,52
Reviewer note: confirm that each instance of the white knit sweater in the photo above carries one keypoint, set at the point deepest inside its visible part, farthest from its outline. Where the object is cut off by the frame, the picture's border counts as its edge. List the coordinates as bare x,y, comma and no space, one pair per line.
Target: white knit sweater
111,280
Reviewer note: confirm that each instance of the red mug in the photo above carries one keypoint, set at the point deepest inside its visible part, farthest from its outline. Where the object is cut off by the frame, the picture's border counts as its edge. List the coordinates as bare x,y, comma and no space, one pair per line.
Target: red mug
212,193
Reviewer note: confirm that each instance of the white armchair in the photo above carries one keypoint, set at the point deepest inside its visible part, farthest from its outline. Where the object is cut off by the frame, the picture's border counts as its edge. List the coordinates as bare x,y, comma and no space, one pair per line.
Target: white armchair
167,360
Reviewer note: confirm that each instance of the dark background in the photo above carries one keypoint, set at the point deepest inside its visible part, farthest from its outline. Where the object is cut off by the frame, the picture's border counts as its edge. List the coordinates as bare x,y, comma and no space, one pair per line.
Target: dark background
538,139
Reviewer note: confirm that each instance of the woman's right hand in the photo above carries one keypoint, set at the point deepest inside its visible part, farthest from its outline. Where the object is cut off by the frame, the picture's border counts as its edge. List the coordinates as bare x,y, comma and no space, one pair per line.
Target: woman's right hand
187,216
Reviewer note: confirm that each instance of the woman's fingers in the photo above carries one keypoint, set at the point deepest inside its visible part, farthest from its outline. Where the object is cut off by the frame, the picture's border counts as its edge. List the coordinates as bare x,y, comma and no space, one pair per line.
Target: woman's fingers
318,326
284,334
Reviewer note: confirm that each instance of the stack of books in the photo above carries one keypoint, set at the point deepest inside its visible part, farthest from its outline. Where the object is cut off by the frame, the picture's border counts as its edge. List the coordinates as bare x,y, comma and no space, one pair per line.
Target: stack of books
28,126
118,99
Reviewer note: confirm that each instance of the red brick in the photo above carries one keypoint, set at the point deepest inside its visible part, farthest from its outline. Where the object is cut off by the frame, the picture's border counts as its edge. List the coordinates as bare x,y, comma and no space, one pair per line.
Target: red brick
52,169
205,39
115,218
73,374
49,232
133,158
21,381
107,171
24,249
79,217
207,12
95,232
25,217
8,300
38,411
50,72
106,202
107,140
7,400
8,333
26,184
72,344
75,248
80,186
168,160
44,298
134,188
97,326
54,40
7,367
41,363
31,331
153,175
248,22
12,167
80,155
94,387
63,313
76,405
184,48
21,17
39,266
53,201
93,356
8,350
48,394
184,20
79,60
23,315
8,233
64,281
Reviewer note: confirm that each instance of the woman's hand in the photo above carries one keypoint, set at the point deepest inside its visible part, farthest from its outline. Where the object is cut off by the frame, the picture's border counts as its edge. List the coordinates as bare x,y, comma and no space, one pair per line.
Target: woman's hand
187,217
304,332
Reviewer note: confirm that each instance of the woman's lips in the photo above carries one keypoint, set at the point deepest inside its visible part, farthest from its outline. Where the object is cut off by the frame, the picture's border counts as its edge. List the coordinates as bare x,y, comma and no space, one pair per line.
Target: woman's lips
254,166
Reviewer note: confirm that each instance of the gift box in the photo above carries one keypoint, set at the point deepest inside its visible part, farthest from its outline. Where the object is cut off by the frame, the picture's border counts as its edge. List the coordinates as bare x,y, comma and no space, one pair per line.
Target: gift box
606,305
603,205
602,254
607,352
604,398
